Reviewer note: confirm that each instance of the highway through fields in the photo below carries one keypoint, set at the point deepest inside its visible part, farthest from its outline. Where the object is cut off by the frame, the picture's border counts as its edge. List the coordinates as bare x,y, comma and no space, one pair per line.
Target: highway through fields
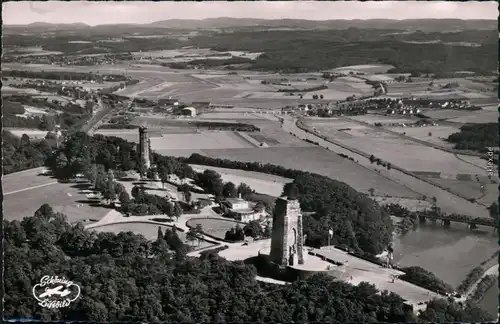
448,202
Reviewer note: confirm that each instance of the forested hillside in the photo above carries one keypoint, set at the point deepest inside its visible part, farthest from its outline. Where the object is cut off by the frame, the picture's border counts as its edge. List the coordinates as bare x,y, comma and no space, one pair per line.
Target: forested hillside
124,277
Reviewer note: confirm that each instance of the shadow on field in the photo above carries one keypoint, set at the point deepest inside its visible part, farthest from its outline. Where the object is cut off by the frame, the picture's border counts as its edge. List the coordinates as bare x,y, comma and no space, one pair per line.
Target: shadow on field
127,179
82,186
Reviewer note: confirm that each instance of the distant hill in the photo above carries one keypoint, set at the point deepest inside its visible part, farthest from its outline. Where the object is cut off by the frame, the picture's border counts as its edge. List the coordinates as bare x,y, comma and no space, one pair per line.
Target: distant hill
409,24
425,25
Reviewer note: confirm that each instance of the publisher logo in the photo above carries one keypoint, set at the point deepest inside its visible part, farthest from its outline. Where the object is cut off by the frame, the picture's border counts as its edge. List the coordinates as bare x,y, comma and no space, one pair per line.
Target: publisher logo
55,292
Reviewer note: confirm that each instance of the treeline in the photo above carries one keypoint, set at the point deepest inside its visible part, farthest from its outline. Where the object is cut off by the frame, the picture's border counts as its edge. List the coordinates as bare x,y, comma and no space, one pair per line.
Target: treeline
472,277
482,287
321,87
144,281
240,127
72,116
337,206
476,137
209,63
426,279
110,90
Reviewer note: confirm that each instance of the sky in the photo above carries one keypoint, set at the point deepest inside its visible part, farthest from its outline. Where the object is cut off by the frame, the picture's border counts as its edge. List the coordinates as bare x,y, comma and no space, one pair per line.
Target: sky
96,13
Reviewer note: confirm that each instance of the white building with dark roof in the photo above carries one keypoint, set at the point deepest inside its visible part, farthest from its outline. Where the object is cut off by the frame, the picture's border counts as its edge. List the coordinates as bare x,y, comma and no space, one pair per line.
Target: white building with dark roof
242,210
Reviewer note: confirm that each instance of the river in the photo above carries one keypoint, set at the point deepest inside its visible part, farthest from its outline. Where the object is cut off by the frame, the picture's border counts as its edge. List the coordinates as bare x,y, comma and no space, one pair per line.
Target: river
449,253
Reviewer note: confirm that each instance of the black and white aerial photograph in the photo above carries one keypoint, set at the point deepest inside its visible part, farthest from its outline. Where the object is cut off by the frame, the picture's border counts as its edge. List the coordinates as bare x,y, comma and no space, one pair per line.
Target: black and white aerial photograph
250,162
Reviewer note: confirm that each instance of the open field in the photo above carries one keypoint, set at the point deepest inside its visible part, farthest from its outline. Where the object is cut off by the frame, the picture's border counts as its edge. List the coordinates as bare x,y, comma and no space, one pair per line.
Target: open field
216,227
391,148
491,194
260,182
132,135
320,161
438,136
365,68
25,179
373,118
203,140
6,90
26,191
87,85
28,51
469,189
378,77
457,115
197,139
479,117
275,136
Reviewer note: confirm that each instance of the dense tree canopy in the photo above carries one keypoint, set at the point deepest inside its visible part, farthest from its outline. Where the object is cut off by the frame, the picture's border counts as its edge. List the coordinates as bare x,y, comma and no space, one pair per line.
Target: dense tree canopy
124,277
357,221
23,153
307,51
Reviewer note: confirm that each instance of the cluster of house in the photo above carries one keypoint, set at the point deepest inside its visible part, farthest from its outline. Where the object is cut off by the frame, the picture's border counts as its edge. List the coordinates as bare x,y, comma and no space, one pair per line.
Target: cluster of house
419,123
414,105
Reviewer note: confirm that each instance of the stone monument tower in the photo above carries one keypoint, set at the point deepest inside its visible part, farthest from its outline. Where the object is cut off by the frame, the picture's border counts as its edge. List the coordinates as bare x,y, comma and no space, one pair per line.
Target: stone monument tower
287,238
144,145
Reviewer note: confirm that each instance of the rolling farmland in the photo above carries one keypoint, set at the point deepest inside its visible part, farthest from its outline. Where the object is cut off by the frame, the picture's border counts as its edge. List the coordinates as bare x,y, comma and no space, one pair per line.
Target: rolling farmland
391,148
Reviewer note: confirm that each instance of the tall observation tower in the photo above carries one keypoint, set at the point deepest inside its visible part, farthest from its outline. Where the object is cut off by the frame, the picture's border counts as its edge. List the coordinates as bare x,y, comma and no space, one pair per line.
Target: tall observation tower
144,145
287,238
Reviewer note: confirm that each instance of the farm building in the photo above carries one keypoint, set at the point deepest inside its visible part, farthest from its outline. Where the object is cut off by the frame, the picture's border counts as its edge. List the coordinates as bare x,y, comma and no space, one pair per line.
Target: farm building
243,210
189,111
